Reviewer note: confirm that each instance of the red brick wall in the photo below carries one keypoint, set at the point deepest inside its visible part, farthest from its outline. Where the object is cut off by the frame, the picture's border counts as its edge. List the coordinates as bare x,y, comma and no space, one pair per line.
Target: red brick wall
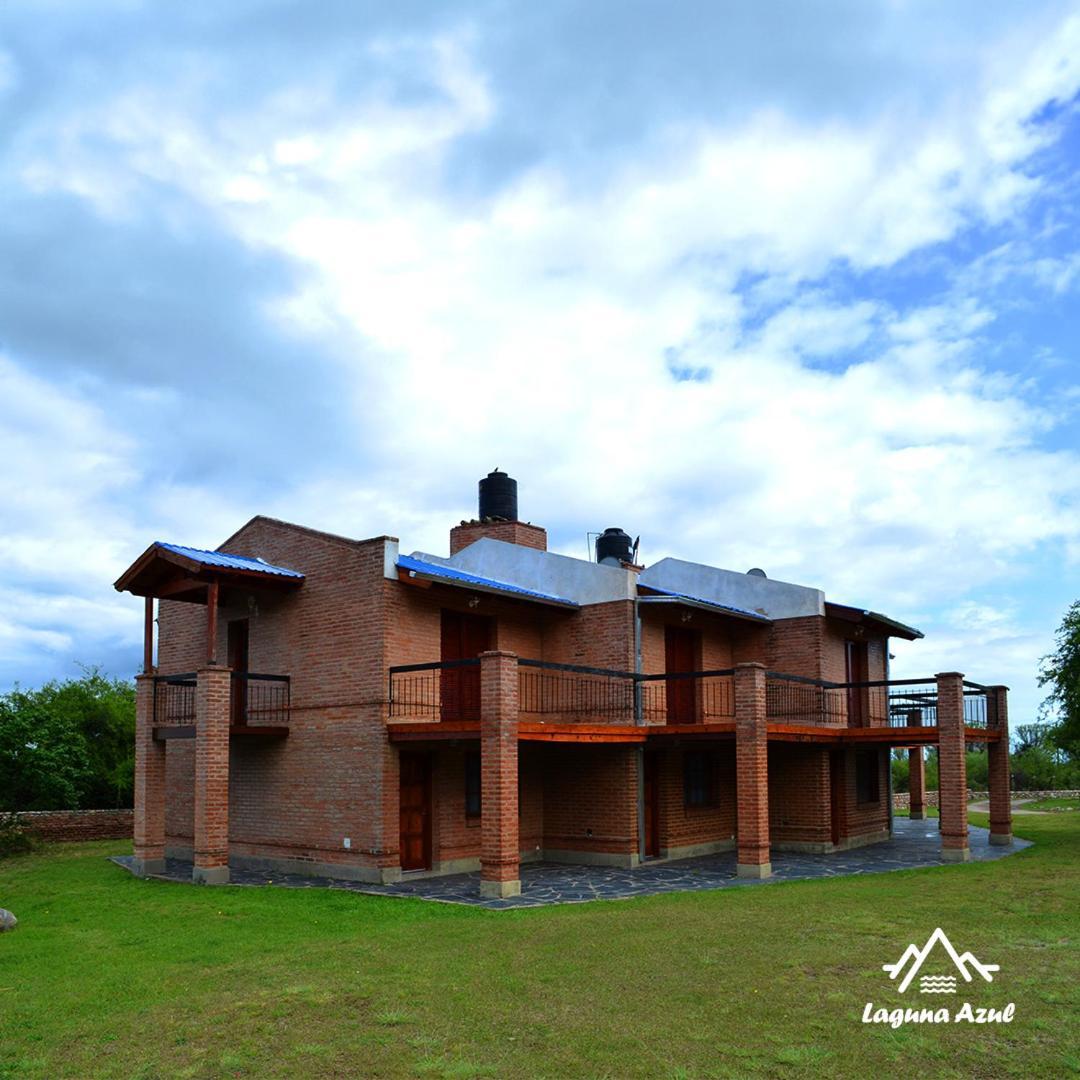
864,819
682,825
799,803
62,825
327,635
510,532
600,635
795,646
590,790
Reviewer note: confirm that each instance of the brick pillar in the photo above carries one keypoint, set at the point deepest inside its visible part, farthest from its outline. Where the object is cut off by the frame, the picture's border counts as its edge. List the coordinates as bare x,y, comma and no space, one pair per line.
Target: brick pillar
149,783
751,772
997,719
952,768
917,783
916,772
500,852
212,777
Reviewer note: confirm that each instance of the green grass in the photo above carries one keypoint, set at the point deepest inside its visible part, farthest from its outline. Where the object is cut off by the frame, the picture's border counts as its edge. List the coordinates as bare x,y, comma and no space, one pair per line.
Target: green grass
109,976
1052,804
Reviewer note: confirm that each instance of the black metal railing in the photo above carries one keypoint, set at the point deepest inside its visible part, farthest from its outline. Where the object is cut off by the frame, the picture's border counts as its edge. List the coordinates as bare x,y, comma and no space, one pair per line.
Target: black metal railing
549,692
255,699
875,703
260,700
567,693
976,709
448,690
694,697
174,699
572,693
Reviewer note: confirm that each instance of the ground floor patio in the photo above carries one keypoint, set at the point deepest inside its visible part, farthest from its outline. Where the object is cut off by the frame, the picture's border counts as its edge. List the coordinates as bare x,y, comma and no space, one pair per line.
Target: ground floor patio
914,845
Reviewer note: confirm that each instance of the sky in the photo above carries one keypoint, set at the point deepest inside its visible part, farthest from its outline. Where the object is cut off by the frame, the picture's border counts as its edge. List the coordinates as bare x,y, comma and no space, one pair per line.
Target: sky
789,285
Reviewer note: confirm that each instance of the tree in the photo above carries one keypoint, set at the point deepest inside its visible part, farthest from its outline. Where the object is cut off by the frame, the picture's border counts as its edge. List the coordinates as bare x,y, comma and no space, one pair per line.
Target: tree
1038,763
68,745
1060,670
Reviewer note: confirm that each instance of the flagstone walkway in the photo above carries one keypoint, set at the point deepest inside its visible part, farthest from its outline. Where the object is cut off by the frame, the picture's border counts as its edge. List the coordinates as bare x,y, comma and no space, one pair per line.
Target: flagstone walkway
915,844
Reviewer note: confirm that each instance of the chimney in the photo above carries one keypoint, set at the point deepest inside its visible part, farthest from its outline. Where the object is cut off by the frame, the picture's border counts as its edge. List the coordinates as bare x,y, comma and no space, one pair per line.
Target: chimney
498,517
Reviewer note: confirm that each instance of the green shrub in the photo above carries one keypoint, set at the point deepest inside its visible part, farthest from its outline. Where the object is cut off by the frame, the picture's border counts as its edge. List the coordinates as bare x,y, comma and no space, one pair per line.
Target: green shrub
14,839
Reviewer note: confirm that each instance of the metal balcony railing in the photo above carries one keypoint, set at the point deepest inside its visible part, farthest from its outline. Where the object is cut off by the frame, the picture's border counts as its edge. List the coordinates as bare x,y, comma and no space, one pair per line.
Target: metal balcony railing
256,700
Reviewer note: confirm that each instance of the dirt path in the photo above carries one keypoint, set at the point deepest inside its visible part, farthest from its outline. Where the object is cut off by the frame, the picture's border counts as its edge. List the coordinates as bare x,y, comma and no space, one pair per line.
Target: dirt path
984,807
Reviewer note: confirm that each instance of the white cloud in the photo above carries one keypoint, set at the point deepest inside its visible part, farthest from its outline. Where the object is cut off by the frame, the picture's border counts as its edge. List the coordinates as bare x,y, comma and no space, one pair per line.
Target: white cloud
529,324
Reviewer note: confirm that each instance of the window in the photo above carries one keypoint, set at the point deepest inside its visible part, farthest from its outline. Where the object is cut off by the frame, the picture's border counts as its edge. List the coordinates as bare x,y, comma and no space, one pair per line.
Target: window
866,776
472,783
698,786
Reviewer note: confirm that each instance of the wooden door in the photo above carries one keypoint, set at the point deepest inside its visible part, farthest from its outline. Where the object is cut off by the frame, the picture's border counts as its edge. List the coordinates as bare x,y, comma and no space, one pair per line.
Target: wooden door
415,811
837,800
681,649
652,805
464,637
238,661
855,667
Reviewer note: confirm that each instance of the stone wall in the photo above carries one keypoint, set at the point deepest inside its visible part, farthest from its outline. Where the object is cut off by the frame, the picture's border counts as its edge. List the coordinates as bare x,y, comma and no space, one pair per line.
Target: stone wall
902,799
57,825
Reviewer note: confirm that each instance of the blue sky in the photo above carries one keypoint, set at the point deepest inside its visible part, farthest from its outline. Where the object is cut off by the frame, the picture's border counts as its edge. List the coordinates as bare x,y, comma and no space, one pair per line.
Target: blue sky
783,285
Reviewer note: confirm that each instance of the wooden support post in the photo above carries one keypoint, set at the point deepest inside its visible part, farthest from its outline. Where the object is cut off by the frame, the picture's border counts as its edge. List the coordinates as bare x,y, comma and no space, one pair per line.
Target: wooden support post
211,622
148,637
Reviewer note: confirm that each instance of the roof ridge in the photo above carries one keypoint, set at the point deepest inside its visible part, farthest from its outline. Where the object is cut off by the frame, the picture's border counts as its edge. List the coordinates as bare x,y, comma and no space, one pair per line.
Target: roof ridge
335,537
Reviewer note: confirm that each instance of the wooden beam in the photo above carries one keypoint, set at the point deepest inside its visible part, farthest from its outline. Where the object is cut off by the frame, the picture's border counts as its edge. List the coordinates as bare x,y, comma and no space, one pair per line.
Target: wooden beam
148,637
211,622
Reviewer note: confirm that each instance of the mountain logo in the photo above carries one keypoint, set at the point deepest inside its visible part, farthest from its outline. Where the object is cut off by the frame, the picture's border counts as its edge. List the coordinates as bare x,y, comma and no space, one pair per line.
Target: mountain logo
914,957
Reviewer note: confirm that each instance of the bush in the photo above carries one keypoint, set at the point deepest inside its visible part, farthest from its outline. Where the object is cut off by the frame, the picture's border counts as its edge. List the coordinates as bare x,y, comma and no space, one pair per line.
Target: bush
14,839
68,745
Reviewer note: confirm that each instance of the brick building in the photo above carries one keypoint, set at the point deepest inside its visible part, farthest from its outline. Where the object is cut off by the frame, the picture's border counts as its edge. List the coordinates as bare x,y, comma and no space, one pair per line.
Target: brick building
334,706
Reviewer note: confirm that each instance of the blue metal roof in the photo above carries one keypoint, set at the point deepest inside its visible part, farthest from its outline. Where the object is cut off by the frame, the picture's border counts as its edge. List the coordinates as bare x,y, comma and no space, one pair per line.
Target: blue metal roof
460,577
228,562
743,613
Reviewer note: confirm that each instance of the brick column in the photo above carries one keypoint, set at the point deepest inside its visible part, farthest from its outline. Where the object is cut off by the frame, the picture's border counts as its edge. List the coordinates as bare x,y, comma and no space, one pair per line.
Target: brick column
751,772
952,768
149,783
916,772
997,719
500,851
917,783
212,776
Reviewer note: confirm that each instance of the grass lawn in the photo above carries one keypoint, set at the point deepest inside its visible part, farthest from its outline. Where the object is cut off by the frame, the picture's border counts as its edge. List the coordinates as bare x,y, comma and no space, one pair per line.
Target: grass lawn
111,976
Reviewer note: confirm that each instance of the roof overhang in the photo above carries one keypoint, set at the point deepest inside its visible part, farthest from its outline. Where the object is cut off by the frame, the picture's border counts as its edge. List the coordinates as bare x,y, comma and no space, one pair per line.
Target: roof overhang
662,596
416,570
165,573
872,620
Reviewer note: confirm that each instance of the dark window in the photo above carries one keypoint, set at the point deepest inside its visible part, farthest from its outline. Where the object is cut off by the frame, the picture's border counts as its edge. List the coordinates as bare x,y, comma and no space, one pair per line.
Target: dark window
866,776
472,783
698,779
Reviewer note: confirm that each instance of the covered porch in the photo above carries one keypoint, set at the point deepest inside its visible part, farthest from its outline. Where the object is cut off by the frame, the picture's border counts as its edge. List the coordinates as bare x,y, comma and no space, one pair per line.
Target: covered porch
751,710
213,705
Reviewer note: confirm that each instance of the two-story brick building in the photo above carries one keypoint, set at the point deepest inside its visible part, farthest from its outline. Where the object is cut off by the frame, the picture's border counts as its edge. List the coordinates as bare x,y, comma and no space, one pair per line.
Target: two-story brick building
333,705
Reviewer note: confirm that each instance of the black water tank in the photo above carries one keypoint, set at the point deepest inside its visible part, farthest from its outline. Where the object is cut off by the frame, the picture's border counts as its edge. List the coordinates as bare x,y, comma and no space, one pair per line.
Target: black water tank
614,545
498,497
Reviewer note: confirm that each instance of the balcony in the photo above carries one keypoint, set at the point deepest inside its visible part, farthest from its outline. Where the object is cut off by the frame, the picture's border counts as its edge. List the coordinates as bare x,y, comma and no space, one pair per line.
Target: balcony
259,704
551,693
575,699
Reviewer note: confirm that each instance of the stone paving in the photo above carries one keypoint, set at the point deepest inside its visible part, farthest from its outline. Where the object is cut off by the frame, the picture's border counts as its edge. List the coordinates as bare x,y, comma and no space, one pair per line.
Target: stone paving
915,844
